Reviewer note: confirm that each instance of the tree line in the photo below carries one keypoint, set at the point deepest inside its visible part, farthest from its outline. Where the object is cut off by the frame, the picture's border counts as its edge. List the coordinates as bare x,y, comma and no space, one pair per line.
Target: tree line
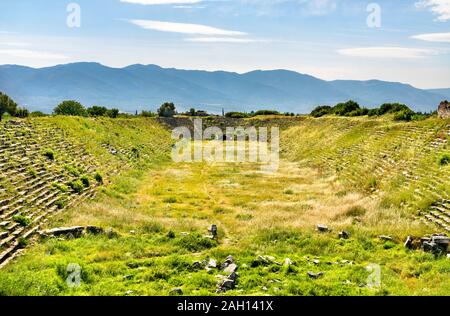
401,112
75,108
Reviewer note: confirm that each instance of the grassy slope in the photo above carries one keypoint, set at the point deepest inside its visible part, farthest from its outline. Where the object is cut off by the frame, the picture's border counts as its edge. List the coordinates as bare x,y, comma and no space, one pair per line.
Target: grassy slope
257,214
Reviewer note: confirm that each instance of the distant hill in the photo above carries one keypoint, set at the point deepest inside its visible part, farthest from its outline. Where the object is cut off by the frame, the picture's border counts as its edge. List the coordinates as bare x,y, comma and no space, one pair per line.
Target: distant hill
139,87
445,93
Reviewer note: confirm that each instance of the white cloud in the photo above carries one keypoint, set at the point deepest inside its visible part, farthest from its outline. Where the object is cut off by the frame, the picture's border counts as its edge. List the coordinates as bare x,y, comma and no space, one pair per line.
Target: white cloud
30,54
184,28
387,52
156,2
433,37
223,40
441,8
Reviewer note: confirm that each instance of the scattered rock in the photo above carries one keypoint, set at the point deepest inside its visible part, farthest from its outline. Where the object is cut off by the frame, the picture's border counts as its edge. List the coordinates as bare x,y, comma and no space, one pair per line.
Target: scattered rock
128,277
265,289
322,228
226,285
94,230
344,235
132,232
316,261
387,238
287,262
260,261
315,275
111,233
197,265
73,232
127,293
213,230
231,268
229,260
176,291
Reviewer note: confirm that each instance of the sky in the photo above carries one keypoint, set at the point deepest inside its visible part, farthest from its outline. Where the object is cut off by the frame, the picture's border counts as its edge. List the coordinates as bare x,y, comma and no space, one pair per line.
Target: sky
403,40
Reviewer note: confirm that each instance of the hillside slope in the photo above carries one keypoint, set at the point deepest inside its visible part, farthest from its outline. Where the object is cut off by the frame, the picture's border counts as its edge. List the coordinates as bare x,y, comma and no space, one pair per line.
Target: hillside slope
48,165
402,163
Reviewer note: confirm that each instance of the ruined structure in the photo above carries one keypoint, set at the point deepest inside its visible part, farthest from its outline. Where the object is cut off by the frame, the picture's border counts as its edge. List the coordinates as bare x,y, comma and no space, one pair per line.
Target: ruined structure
444,110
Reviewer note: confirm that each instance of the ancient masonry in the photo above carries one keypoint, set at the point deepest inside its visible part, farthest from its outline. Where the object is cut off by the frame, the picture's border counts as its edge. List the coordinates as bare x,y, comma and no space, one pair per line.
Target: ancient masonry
444,110
34,185
429,180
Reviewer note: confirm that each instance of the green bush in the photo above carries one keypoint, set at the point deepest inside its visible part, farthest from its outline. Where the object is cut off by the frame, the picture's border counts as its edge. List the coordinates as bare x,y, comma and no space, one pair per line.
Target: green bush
266,112
77,186
22,220
85,181
344,109
321,111
72,170
404,115
61,187
22,113
97,111
236,115
70,108
50,154
98,177
444,160
113,113
167,110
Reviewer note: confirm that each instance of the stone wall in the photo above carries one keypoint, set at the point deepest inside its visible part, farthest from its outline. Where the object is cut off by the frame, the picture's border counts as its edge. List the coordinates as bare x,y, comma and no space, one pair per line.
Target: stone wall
444,110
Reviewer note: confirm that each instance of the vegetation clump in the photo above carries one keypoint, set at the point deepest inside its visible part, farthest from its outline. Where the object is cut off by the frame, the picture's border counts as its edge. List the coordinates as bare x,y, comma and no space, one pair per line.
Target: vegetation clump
50,154
77,186
22,220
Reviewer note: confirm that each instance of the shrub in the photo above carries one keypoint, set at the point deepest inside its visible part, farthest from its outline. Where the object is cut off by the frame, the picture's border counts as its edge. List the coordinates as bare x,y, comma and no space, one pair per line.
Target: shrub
22,113
61,203
170,200
148,114
98,177
85,181
113,113
167,110
387,108
321,111
372,112
444,160
266,112
344,109
37,114
22,220
97,111
61,187
77,186
72,170
236,115
22,243
7,105
32,172
404,115
70,108
50,154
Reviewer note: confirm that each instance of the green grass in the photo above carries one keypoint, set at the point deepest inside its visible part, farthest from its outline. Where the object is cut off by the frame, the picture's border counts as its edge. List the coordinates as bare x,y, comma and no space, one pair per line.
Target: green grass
161,212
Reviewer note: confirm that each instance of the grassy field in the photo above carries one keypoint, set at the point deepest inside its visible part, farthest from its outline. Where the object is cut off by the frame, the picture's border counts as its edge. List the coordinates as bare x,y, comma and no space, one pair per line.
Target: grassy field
162,210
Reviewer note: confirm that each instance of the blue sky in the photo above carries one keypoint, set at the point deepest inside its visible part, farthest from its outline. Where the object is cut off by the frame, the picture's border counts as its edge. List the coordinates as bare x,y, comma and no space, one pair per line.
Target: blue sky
330,39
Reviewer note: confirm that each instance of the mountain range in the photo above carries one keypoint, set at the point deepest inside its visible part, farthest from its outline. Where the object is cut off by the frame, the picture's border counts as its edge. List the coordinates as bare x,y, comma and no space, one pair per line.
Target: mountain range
145,87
